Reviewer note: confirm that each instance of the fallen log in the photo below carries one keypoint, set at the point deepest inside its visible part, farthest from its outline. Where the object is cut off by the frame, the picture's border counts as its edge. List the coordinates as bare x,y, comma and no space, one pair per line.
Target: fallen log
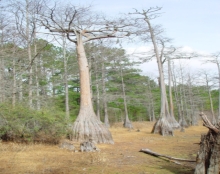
148,151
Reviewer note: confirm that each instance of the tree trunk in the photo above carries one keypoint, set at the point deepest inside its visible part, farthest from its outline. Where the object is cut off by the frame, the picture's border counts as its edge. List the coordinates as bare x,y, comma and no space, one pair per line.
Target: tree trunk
20,85
30,100
14,90
218,91
97,92
174,123
184,115
151,102
193,116
106,120
208,158
170,88
162,127
87,126
36,75
210,99
166,123
65,79
127,122
2,79
176,95
37,85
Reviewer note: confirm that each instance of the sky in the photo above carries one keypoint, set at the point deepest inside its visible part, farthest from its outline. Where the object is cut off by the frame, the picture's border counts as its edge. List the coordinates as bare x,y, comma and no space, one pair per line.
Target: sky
191,24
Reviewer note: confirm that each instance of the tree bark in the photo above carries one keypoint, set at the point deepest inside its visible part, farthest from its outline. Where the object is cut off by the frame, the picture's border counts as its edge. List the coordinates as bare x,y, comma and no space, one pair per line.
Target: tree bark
193,116
20,85
170,88
166,123
151,102
87,126
127,122
184,115
182,121
210,99
2,79
38,102
208,158
106,120
30,80
216,61
14,90
65,78
218,90
97,92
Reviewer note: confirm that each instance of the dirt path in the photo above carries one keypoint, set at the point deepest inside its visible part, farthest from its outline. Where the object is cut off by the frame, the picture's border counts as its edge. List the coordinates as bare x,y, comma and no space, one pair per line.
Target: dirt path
121,158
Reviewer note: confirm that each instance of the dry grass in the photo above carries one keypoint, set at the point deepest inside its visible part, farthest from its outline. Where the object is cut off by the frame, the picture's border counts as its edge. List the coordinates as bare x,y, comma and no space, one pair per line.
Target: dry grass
122,157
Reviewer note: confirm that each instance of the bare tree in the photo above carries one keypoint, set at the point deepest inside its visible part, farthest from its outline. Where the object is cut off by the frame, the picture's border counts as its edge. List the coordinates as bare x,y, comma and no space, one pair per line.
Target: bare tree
181,90
97,91
65,59
166,123
81,25
24,13
208,86
150,102
106,119
3,36
127,122
191,101
216,60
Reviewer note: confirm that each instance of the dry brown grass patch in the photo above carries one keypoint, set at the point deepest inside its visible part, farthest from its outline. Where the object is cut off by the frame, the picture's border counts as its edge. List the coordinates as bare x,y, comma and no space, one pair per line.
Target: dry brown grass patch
122,157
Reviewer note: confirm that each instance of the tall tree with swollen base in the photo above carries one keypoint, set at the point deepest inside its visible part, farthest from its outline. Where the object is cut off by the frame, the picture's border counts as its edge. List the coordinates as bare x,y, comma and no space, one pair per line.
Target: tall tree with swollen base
166,123
82,25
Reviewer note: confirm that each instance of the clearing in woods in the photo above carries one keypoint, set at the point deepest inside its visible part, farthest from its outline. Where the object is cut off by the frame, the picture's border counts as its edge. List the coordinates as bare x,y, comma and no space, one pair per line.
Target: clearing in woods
121,158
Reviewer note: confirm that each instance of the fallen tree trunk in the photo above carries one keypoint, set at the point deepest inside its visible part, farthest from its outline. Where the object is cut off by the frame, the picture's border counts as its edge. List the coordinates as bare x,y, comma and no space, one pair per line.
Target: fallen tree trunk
148,151
208,158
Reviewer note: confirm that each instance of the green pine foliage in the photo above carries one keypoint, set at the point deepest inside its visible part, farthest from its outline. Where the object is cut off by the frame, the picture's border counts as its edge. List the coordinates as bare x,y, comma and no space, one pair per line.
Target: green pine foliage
215,96
21,124
74,102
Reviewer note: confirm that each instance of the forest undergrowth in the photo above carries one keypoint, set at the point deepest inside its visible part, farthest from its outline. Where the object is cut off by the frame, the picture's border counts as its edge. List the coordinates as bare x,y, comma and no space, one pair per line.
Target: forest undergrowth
120,158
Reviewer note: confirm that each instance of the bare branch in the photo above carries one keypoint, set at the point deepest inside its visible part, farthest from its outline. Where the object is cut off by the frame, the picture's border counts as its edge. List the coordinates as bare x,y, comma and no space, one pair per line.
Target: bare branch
78,22
208,124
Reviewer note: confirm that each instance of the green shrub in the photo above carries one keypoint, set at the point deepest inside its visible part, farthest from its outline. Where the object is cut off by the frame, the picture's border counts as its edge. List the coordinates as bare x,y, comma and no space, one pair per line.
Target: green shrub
22,124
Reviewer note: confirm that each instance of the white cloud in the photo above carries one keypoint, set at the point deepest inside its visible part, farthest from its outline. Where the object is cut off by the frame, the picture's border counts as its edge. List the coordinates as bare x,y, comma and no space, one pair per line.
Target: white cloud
186,49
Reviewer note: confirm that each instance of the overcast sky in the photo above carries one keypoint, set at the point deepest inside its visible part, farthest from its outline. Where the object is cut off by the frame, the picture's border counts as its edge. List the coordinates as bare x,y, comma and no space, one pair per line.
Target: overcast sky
191,23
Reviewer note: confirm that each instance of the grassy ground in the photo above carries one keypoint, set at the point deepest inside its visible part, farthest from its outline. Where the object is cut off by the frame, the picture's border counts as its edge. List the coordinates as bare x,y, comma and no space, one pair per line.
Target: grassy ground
121,158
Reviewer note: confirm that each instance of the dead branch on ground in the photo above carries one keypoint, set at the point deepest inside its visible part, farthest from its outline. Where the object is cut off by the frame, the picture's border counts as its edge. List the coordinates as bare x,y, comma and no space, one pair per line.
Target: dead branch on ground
148,151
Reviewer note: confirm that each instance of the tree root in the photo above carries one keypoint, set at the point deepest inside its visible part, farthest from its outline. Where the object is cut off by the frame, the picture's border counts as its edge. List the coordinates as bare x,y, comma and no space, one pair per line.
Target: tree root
163,127
127,124
86,128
